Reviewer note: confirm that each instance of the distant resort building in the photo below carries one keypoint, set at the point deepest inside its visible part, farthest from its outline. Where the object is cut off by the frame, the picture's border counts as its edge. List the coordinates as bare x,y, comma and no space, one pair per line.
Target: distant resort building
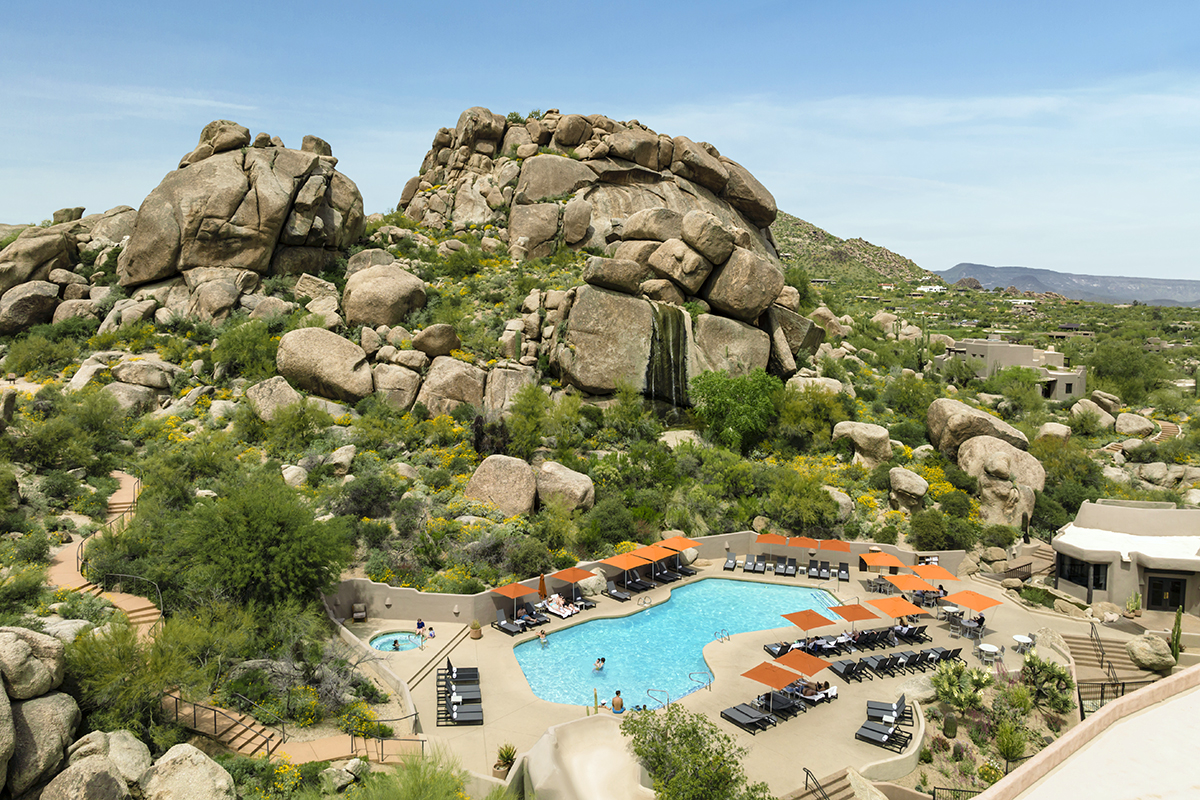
934,289
1117,547
989,356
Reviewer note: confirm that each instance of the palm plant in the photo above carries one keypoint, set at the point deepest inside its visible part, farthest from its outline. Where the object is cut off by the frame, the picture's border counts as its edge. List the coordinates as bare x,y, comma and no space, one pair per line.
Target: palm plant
959,687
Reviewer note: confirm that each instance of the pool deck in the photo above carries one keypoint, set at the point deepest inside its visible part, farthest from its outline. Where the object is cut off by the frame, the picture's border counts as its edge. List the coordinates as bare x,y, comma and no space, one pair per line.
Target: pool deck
822,740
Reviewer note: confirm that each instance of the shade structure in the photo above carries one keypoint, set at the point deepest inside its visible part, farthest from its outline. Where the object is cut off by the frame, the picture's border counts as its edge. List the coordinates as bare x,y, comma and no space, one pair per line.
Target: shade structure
542,587
678,543
626,562
896,607
934,572
910,583
882,560
771,540
572,575
514,590
972,600
807,620
806,542
856,612
653,553
773,676
834,546
802,662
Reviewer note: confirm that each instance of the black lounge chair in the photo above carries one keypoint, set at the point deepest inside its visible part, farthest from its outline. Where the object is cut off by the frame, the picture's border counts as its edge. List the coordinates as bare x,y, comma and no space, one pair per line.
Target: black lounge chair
465,715
777,649
813,569
502,623
760,566
637,584
779,703
780,565
843,572
848,670
882,665
615,593
748,565
731,562
578,599
748,719
684,569
790,570
953,655
468,693
887,737
461,674
824,574
538,617
664,575
899,712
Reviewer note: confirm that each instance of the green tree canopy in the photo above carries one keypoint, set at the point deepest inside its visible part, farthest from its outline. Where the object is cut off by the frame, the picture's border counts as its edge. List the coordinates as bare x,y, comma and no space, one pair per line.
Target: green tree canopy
736,412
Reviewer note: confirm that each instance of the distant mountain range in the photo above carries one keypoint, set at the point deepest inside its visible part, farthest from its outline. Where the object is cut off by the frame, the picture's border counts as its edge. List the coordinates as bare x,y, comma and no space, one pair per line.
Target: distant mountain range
1097,288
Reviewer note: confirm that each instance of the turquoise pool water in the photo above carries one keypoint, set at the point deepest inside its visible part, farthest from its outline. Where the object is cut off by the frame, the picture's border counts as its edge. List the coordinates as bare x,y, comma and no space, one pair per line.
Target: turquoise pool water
658,647
408,640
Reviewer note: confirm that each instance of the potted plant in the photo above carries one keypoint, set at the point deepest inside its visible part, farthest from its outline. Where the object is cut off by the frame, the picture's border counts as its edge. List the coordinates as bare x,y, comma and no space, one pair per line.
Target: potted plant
506,755
476,629
1134,604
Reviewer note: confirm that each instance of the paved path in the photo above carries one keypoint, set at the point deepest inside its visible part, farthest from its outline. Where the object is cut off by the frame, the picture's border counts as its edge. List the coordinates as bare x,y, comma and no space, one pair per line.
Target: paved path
1166,432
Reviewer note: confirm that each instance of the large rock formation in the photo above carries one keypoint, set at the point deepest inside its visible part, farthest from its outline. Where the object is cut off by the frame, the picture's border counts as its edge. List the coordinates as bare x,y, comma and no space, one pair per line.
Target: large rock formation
1007,479
952,422
231,204
506,482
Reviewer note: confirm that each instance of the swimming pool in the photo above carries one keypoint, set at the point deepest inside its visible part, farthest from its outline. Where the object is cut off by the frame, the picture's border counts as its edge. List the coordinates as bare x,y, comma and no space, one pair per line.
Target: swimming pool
658,647
407,640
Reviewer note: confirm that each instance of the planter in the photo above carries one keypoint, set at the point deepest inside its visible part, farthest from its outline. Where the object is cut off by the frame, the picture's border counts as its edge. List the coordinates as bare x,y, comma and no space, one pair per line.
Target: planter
500,772
1137,612
476,633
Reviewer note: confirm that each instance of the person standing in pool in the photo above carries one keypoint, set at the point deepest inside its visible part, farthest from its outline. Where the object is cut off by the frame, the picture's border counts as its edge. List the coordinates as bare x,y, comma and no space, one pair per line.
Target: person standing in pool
618,705
395,644
599,665
542,638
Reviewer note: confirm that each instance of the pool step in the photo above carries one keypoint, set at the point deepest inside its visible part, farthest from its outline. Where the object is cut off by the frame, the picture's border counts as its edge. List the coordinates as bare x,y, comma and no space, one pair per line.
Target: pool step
436,661
836,787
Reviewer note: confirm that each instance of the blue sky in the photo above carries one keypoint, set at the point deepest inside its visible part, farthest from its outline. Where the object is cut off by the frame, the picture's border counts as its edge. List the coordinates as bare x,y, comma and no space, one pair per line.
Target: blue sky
1055,135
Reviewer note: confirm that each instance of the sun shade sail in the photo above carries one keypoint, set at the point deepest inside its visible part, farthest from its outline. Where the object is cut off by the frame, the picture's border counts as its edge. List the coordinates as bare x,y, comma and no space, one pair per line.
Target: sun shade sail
626,561
572,575
807,620
835,546
803,541
934,572
653,553
854,612
896,607
771,675
881,560
802,662
514,590
770,538
678,543
910,583
972,600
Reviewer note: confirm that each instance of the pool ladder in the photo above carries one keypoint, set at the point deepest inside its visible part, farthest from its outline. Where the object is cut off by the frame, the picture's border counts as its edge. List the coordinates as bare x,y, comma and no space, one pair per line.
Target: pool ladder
651,693
645,601
705,684
722,635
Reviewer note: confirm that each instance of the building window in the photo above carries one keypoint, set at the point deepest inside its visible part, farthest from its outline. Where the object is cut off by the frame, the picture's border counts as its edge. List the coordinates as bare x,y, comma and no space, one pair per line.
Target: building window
1069,388
1081,573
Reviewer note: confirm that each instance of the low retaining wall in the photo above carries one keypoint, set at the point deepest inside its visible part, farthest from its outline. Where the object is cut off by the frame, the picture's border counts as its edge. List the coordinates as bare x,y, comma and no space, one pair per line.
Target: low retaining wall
898,766
1025,776
394,682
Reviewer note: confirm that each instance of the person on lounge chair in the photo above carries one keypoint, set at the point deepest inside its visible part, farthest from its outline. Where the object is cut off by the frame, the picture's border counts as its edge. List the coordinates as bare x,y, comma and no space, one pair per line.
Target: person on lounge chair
525,619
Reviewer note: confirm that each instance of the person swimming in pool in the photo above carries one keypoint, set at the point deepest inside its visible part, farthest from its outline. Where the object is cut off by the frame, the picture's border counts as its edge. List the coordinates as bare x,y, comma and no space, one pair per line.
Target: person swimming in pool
395,644
542,638
599,665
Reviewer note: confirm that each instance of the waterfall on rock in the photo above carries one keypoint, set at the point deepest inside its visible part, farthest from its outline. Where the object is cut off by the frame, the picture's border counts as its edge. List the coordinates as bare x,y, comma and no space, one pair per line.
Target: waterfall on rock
666,372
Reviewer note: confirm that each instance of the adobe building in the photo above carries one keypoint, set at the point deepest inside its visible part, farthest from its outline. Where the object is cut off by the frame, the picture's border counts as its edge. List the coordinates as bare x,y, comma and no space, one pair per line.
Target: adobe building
1114,548
989,356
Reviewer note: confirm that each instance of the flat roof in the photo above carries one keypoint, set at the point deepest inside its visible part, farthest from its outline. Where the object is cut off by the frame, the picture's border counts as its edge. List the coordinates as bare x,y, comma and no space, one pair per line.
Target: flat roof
1141,520
1163,552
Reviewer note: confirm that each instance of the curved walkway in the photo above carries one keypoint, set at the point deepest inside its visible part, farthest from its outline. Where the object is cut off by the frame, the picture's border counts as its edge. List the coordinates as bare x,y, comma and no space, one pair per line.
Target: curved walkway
1166,432
144,614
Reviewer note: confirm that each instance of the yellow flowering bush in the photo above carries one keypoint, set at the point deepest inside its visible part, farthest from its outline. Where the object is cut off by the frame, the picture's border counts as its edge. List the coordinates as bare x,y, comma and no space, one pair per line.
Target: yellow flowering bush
285,780
306,706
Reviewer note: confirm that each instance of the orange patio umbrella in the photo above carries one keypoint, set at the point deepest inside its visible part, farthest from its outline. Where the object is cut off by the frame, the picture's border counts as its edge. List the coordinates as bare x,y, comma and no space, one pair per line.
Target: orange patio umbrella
806,542
896,607
807,620
802,662
910,583
835,546
934,572
972,600
514,590
855,612
626,562
652,552
572,575
882,560
770,539
542,587
678,544
771,675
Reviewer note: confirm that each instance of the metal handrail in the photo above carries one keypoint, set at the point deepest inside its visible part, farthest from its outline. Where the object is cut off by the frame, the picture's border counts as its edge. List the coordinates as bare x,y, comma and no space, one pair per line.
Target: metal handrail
380,748
808,775
282,723
703,684
267,740
645,601
661,703
1097,643
158,622
722,635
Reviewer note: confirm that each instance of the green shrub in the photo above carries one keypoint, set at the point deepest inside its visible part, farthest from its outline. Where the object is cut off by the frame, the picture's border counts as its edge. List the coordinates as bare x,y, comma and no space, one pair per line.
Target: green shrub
33,548
248,349
736,411
911,432
956,504
1001,536
888,534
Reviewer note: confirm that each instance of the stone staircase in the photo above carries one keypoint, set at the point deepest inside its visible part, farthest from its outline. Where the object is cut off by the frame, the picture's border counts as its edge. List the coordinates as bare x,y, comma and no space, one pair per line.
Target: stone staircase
1166,432
240,733
836,787
1087,660
1042,559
